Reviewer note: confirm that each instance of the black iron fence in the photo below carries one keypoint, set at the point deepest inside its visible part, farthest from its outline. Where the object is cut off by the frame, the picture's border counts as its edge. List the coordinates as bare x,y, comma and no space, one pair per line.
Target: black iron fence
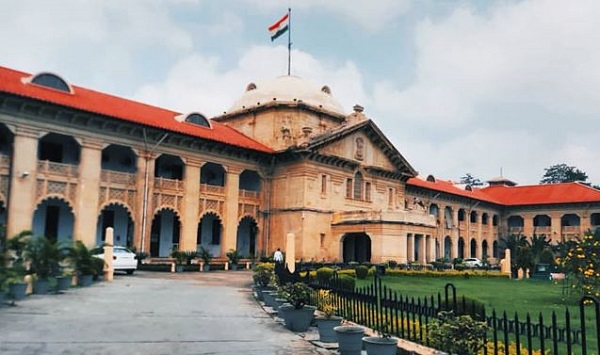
377,306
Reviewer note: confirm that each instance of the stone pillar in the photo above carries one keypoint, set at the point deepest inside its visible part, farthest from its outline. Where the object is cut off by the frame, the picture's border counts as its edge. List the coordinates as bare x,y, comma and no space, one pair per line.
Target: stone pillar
290,252
505,263
230,220
527,225
556,234
455,246
23,182
403,249
422,249
86,206
410,247
191,203
108,254
145,187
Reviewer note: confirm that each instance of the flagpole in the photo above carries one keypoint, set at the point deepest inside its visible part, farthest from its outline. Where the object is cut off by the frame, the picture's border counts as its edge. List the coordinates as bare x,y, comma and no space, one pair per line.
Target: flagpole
289,39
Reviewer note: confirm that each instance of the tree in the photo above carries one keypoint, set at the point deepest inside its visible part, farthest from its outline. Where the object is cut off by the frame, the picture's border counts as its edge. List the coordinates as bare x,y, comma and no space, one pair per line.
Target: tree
470,180
563,173
519,252
583,261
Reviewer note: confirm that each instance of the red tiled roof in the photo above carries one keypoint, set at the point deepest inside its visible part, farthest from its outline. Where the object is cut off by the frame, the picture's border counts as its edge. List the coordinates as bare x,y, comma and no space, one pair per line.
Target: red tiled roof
516,195
572,192
123,109
450,188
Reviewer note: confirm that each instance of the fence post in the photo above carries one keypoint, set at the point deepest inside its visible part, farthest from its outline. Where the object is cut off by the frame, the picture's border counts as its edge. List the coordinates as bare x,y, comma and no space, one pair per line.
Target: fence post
596,302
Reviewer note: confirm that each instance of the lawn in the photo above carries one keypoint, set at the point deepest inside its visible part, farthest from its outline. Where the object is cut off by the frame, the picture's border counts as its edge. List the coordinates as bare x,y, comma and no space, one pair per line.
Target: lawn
520,296
508,295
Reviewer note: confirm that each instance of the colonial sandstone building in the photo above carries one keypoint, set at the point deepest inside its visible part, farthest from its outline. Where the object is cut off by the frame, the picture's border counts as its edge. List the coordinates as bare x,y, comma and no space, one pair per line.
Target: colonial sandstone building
285,158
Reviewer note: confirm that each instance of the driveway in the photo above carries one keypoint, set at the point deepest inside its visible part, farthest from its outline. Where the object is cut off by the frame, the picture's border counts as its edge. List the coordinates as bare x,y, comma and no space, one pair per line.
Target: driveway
149,313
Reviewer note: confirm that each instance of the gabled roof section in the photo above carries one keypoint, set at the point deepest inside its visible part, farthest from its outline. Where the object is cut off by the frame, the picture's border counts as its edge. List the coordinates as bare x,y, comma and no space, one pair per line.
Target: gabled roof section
369,128
12,82
572,192
449,187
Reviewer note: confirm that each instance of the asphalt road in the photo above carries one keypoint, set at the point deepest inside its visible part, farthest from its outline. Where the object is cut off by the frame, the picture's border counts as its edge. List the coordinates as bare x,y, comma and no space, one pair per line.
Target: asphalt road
150,313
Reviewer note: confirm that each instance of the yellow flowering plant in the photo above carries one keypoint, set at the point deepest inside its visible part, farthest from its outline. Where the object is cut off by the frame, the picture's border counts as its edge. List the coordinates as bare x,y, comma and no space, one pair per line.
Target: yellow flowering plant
325,303
583,261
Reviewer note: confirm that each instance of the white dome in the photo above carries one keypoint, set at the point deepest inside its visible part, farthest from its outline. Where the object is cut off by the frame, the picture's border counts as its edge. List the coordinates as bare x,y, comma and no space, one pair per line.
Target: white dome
289,89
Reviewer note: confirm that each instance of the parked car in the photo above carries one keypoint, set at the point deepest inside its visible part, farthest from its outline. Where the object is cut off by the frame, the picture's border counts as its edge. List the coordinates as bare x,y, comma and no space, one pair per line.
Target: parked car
123,258
473,262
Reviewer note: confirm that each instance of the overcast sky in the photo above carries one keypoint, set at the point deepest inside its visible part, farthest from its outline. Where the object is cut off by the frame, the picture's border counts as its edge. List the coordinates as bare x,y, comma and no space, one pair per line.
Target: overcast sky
458,86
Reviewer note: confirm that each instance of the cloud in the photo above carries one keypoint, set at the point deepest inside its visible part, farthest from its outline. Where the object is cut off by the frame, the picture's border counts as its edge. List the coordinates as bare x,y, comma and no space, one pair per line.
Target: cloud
200,83
83,41
501,87
373,15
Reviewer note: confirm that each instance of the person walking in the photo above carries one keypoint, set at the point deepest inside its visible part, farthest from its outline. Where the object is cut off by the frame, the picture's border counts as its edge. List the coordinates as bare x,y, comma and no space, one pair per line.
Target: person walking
278,256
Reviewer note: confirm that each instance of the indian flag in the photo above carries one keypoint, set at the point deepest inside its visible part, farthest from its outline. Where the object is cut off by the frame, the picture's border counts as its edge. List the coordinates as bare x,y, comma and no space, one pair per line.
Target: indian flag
279,27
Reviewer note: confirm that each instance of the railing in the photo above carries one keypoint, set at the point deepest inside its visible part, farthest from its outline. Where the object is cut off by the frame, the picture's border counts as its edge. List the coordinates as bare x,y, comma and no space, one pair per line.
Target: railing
4,161
542,230
390,216
61,169
213,189
249,194
515,230
117,177
409,317
168,184
570,229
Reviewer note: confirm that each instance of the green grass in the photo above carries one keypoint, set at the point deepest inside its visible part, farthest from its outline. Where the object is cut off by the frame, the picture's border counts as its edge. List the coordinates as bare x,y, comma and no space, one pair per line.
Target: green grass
520,296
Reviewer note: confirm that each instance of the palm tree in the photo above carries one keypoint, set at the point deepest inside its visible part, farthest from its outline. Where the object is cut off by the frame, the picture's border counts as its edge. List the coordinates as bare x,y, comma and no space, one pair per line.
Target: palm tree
539,245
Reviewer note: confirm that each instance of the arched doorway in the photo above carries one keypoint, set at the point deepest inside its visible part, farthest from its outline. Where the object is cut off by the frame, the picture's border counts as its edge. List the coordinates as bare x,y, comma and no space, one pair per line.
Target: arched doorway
461,248
117,217
246,236
356,247
164,234
54,220
484,249
209,232
448,247
473,253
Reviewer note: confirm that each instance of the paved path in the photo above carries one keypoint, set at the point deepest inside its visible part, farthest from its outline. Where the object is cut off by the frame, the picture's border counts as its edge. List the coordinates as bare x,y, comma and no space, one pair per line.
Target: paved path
150,313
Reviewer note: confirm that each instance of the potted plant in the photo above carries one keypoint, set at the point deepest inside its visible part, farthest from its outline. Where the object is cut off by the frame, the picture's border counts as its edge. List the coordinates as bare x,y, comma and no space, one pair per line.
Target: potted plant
383,344
44,257
180,260
234,258
15,273
84,263
262,274
297,315
327,320
349,338
206,257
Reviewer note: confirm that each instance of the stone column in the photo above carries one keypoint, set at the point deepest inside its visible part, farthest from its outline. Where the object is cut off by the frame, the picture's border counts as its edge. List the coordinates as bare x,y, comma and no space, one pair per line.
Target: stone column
290,252
422,249
23,182
145,187
86,206
556,234
410,247
403,249
230,219
191,203
108,255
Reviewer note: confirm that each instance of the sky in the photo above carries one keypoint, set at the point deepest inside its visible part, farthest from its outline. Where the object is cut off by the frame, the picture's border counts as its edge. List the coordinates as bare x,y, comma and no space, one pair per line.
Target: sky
488,88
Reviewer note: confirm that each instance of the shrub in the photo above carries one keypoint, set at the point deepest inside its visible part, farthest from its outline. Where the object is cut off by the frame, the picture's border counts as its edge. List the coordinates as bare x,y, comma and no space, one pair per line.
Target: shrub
346,282
361,272
353,264
460,335
460,267
392,264
262,274
324,274
297,294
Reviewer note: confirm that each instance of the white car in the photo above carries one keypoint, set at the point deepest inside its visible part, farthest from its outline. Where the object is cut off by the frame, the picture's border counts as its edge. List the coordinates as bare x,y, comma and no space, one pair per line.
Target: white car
473,262
123,258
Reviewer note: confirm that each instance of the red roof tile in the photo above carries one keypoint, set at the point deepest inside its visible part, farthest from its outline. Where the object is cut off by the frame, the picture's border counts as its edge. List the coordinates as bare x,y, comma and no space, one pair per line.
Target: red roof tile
450,188
573,192
11,81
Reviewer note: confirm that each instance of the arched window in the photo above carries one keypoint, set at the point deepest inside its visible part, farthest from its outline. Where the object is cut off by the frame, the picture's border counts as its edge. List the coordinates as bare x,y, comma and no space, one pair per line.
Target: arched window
198,119
51,81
